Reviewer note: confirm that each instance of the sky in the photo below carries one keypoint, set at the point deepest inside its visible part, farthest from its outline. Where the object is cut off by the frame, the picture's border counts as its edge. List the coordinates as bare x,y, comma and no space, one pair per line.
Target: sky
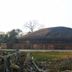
50,13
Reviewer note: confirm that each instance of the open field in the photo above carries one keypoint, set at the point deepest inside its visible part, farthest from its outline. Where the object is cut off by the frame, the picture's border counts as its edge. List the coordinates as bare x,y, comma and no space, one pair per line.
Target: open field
51,55
54,61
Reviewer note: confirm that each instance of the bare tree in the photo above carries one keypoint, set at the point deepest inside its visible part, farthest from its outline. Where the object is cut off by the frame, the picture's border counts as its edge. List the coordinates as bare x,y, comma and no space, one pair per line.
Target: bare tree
32,25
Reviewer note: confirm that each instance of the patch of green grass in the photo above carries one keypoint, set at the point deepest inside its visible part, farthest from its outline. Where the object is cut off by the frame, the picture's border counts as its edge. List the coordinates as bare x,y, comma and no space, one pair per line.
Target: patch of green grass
51,55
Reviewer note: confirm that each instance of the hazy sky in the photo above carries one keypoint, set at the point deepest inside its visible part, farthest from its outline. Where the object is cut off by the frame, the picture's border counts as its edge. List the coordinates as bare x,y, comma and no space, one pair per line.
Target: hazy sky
14,13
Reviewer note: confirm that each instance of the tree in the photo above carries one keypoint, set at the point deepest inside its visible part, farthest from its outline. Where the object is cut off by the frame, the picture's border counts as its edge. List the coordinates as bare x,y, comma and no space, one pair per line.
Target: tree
2,38
14,33
12,37
32,25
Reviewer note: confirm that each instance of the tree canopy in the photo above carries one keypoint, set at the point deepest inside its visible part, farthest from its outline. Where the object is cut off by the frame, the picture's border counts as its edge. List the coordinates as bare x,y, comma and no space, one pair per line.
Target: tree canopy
10,37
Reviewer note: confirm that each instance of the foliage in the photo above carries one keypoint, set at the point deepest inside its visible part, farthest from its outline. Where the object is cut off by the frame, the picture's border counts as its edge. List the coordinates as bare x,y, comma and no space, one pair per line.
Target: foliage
10,37
2,38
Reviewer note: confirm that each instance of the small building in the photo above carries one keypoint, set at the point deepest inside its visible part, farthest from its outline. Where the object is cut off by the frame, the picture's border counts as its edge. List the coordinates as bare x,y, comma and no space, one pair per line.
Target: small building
47,38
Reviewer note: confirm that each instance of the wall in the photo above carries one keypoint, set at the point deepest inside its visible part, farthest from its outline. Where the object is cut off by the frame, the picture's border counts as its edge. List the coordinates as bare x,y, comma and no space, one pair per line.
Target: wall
49,46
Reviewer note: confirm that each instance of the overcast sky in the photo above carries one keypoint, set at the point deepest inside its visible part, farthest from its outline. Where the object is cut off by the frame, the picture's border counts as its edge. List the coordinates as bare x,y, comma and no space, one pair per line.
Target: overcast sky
14,13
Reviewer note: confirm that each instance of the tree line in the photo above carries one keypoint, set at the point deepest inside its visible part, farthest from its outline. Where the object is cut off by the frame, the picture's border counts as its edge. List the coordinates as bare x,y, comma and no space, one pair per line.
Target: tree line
12,36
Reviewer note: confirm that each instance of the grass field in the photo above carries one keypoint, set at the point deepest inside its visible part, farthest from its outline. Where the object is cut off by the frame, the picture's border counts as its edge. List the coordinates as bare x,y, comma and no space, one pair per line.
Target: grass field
51,55
54,61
